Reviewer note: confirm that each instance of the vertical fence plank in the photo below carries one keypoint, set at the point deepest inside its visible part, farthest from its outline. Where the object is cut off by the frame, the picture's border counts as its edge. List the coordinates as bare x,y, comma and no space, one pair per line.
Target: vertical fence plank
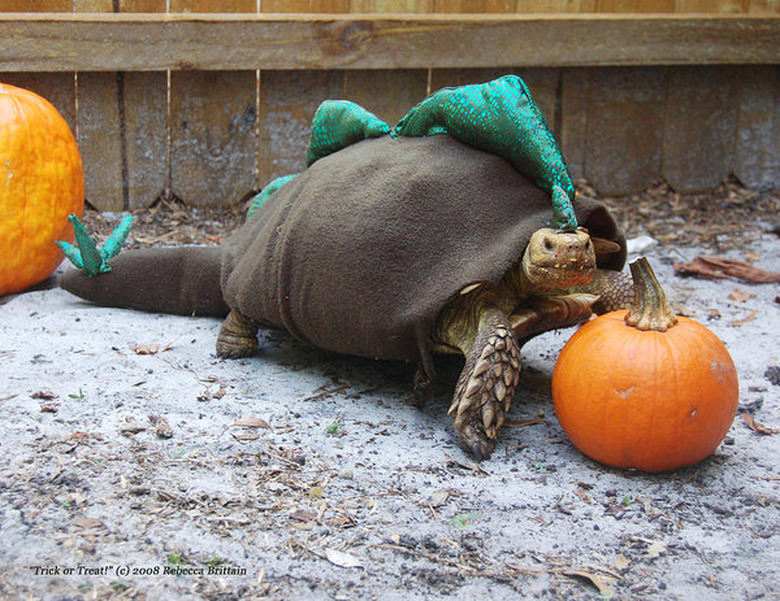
556,6
700,129
36,6
288,100
145,114
213,6
391,6
388,93
711,6
635,6
145,126
142,6
475,6
213,137
574,116
304,6
764,6
93,6
213,118
100,139
626,108
758,128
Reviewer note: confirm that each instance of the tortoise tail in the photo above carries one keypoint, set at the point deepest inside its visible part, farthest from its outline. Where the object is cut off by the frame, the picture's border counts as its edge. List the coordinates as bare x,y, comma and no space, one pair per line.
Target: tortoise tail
179,280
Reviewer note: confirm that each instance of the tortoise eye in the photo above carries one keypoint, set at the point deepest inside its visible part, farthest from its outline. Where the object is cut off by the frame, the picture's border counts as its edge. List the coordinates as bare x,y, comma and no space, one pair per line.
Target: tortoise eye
548,244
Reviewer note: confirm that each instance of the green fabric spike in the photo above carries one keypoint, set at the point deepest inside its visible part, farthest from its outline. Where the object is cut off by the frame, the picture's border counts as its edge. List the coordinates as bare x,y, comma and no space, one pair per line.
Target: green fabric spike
499,117
340,123
87,256
269,189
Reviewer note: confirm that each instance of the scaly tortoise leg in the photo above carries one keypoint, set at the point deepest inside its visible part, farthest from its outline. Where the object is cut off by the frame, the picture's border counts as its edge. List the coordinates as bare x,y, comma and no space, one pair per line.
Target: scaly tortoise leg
615,290
486,385
237,337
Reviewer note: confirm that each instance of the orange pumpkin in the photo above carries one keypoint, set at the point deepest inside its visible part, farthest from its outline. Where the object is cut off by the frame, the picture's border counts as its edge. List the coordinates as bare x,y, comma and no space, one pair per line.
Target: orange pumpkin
41,183
644,388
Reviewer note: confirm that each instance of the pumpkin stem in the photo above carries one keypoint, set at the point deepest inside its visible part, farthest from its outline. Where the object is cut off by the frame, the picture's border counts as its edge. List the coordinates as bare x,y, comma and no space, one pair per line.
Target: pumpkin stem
650,309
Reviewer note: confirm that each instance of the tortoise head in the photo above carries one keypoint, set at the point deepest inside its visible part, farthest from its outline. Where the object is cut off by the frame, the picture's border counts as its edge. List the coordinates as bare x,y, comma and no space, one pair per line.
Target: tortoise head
557,259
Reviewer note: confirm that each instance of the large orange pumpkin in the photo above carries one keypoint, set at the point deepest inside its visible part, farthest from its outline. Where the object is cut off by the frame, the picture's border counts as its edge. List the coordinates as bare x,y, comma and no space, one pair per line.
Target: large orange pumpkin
41,183
644,388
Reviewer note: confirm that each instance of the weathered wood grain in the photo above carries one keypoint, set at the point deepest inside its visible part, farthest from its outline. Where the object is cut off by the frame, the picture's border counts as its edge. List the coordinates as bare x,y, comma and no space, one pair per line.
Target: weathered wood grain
213,136
388,93
699,142
625,125
146,137
101,140
574,119
148,42
288,100
758,128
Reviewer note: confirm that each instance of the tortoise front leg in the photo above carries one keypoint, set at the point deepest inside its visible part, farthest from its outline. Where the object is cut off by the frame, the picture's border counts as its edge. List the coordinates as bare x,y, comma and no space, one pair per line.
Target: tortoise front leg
486,385
237,337
615,290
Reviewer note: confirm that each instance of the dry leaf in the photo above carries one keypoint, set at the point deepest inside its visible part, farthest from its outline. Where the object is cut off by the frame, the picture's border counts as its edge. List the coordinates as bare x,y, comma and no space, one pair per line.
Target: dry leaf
740,295
439,497
757,426
246,436
252,422
700,268
146,349
162,428
302,515
600,582
343,559
656,548
746,319
621,562
87,523
719,267
47,395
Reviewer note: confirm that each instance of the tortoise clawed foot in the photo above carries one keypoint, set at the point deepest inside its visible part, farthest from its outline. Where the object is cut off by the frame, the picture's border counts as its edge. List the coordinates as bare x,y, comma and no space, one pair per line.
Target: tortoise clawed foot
237,338
486,386
472,436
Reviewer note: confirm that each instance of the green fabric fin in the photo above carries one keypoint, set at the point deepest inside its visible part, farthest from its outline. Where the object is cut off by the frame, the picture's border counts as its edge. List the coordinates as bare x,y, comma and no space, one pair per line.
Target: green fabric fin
499,117
85,255
340,123
269,189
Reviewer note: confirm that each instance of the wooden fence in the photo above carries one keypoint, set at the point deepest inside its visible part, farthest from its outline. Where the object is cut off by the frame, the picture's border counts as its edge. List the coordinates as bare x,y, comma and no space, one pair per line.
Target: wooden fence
170,96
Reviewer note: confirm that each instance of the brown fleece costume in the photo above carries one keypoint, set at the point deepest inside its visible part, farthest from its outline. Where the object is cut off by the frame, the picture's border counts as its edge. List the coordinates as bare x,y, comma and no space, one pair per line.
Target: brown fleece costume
359,253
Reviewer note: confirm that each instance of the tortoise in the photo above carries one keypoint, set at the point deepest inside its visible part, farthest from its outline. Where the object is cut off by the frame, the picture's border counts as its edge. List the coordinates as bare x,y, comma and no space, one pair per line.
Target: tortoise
395,248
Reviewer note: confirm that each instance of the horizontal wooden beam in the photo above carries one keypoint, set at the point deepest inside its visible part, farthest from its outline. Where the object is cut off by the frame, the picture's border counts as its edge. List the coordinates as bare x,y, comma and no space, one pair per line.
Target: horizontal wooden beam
153,42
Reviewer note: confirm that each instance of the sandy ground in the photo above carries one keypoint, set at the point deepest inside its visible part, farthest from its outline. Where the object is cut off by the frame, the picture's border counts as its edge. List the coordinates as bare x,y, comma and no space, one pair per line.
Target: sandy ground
135,464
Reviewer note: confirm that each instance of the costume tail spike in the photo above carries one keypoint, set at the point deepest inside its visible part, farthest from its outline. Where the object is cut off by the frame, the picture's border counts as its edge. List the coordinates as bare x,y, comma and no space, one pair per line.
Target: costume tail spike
87,256
117,238
564,218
